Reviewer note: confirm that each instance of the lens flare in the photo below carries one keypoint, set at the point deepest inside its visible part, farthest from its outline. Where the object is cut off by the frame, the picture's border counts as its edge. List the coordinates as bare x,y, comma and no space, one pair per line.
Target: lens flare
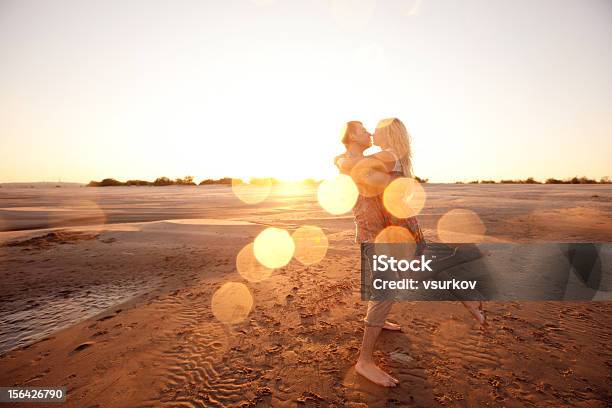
232,303
311,244
273,247
254,192
338,195
403,243
249,267
370,176
461,225
404,197
393,235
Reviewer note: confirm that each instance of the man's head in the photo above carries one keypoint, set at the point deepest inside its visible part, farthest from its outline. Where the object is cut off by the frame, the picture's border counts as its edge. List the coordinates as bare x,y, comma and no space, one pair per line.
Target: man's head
354,132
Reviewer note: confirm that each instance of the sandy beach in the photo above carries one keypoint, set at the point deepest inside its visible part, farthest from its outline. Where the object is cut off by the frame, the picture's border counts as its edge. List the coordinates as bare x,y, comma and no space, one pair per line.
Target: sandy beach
108,291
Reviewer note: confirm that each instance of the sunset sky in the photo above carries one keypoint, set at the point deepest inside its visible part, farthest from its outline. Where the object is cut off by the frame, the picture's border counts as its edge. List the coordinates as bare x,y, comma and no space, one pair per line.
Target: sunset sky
141,89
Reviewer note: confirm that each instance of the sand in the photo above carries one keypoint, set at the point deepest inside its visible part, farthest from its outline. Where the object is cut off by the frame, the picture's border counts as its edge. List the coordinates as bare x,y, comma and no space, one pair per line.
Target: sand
107,291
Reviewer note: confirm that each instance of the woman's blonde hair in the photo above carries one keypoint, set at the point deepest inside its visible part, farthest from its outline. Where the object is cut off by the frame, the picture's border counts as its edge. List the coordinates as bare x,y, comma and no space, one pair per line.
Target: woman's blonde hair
398,139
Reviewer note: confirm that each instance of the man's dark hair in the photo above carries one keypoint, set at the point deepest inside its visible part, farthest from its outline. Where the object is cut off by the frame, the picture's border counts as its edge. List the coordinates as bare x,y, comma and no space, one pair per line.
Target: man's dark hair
350,129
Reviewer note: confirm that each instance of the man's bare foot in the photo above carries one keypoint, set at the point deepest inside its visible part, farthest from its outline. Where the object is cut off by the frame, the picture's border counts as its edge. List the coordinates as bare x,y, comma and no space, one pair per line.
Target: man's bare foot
392,326
477,311
375,374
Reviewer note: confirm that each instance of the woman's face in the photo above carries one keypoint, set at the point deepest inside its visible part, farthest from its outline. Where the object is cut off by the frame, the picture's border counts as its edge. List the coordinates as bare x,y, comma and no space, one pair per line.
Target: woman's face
380,137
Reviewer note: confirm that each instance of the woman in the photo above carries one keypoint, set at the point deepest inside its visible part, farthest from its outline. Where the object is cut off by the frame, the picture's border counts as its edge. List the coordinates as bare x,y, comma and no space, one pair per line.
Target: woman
394,140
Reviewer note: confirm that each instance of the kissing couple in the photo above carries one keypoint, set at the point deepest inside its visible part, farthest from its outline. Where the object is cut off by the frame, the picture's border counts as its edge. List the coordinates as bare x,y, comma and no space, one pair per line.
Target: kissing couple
372,174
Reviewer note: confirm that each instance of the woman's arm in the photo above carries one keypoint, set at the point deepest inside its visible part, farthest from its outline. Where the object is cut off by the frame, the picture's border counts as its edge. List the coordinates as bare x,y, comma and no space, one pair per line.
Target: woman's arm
385,157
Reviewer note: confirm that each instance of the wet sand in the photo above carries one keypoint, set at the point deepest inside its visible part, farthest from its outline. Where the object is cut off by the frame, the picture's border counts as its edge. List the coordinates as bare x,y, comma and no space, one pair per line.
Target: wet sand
107,291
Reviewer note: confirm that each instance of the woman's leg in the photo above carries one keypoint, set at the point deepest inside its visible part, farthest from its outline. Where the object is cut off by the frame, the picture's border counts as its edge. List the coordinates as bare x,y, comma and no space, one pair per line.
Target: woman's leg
476,308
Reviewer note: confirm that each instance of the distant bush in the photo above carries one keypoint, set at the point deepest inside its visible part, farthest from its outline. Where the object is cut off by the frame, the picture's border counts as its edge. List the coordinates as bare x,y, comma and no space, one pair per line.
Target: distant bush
529,180
553,181
163,181
487,181
421,180
578,180
138,183
186,181
583,180
224,181
107,182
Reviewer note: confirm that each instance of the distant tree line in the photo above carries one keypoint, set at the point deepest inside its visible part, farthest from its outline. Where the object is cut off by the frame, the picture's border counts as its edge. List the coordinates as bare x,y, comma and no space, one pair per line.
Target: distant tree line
160,181
188,181
531,180
185,181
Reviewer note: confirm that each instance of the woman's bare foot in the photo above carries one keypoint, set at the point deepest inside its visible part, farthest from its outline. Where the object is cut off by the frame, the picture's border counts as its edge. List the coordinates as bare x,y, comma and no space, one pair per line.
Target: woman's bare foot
477,311
392,326
375,374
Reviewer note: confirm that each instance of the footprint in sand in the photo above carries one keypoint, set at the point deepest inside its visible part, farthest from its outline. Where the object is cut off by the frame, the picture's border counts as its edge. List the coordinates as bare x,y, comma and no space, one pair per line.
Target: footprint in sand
82,347
100,333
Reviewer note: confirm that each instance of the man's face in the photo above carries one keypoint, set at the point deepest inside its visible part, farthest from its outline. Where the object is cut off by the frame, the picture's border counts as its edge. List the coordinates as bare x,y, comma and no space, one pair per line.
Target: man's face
362,137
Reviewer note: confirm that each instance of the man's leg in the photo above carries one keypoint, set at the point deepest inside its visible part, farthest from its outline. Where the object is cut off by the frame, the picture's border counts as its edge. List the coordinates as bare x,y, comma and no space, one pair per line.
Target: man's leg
374,322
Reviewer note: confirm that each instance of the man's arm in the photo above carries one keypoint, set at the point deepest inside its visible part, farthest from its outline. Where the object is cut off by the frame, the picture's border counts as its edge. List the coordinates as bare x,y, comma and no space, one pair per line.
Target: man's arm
367,172
346,164
371,176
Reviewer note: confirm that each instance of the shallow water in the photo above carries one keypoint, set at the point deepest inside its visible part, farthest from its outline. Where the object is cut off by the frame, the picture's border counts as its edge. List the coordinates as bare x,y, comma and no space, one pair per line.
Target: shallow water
24,322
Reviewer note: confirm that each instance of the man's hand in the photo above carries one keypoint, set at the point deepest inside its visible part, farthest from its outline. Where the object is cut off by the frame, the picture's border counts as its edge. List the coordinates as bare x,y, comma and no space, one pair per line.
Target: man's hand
338,162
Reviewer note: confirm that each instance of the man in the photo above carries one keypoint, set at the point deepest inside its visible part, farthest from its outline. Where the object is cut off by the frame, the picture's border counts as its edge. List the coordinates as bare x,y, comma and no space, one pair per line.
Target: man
370,219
